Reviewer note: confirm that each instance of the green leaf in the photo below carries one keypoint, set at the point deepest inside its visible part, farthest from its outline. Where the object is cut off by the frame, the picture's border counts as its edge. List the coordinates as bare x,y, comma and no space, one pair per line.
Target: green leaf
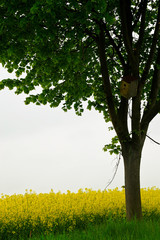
1,85
114,147
34,9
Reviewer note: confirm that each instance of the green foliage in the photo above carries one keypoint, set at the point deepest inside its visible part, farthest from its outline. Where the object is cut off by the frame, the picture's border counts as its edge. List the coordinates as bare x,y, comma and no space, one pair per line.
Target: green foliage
56,43
51,39
113,147
55,39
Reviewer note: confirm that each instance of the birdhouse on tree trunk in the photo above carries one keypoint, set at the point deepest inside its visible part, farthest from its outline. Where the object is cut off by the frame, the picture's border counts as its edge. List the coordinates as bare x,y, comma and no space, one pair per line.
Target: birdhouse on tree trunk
128,87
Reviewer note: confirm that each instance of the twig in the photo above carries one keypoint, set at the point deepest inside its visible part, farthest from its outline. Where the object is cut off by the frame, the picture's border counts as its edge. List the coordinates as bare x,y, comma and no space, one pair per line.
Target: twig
153,140
116,168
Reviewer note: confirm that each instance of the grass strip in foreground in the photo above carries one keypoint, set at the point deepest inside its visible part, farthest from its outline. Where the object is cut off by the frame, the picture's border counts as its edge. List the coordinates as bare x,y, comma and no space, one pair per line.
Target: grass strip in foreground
143,230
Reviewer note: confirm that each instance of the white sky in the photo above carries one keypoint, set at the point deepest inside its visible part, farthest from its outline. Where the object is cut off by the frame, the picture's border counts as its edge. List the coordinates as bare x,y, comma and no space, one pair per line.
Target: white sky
43,148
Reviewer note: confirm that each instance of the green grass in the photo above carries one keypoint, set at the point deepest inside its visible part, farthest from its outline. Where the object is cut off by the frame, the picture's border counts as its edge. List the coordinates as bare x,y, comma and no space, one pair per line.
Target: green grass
116,230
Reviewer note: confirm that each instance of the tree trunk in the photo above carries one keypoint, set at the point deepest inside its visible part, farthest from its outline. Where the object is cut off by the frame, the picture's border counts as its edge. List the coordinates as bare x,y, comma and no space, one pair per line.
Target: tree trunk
132,159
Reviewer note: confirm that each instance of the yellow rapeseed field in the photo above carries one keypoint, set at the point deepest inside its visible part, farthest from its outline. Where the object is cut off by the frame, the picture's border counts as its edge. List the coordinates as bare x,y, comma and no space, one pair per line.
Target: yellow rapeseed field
52,212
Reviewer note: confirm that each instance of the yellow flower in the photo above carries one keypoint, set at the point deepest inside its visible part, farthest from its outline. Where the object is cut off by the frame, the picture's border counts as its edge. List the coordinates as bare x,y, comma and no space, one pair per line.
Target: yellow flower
54,211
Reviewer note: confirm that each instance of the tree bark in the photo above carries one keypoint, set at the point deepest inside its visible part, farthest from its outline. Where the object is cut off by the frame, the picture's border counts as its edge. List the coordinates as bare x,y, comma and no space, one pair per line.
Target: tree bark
132,159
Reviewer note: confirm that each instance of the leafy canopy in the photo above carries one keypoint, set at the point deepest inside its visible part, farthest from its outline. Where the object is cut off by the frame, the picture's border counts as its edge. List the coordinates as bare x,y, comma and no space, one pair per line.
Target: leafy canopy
60,46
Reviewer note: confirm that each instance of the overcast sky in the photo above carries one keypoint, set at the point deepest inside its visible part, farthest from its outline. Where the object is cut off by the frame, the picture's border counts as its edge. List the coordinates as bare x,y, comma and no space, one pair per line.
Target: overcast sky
43,148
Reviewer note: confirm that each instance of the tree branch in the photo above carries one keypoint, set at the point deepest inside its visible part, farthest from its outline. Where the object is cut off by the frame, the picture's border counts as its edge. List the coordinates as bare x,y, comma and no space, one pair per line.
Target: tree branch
152,139
153,106
137,16
153,48
142,11
116,168
91,34
112,42
136,115
119,37
155,83
123,115
126,21
149,115
105,77
120,121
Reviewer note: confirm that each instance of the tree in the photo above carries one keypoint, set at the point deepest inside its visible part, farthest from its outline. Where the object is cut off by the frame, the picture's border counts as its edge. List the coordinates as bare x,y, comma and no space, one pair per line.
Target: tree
80,50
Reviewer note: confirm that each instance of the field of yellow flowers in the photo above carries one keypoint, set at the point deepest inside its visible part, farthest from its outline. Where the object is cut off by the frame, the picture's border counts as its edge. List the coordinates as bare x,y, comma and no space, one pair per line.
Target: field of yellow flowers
24,215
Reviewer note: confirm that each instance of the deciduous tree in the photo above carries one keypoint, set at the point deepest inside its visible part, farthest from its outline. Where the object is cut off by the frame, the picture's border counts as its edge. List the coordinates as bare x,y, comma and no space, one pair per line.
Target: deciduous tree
81,50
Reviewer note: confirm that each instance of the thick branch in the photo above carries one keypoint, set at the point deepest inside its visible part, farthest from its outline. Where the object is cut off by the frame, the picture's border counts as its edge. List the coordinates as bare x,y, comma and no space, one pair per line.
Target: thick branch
155,83
111,40
123,115
136,118
149,115
143,8
153,48
136,101
126,21
106,80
